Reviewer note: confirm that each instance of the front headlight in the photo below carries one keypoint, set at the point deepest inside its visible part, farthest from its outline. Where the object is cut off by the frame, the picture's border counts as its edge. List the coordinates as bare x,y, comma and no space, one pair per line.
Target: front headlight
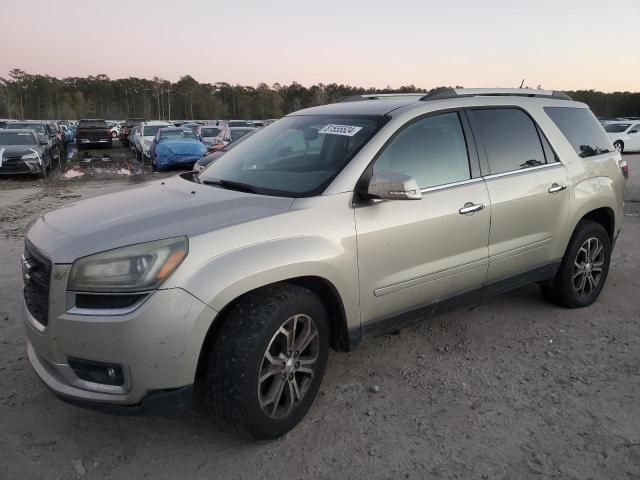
31,156
136,268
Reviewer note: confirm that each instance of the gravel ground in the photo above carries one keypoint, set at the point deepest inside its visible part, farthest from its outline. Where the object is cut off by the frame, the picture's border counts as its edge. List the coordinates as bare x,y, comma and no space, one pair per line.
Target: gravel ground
510,388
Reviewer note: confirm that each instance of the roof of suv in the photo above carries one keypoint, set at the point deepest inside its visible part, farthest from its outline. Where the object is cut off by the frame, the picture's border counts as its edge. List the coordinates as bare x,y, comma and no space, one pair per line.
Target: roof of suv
375,104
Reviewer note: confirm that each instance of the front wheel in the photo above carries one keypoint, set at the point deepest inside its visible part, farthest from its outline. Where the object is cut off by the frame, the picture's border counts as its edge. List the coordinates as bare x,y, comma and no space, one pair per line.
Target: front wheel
268,360
584,268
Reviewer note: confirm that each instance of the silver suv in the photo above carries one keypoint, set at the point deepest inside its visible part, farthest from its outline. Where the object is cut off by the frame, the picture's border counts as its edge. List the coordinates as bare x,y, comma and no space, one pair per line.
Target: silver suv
333,224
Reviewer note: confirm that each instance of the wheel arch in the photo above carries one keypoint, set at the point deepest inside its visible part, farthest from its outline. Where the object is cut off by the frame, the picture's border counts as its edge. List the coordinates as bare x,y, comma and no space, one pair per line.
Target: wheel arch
604,216
326,291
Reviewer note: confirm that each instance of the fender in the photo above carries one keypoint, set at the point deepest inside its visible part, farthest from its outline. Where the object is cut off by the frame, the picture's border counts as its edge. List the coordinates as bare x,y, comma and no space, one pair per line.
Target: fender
224,278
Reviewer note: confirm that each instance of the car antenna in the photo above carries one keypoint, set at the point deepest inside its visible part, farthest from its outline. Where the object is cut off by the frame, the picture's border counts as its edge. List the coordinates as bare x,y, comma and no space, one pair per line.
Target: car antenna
522,83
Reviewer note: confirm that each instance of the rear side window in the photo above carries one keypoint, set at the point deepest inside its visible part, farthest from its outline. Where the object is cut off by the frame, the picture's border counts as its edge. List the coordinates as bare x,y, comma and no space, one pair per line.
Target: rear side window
582,129
510,139
432,150
615,127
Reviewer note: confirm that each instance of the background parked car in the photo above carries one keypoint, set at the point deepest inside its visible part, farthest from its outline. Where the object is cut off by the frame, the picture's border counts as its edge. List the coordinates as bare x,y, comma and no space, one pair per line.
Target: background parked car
625,135
92,132
22,151
125,131
194,126
208,134
46,134
145,135
230,134
207,160
175,147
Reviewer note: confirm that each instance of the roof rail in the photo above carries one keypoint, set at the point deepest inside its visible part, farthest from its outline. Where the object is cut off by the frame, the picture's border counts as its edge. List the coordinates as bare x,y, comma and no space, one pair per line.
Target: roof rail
444,93
380,96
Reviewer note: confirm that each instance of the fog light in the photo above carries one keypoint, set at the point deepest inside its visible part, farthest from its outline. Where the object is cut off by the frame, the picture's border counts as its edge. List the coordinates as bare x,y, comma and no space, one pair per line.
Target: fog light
97,372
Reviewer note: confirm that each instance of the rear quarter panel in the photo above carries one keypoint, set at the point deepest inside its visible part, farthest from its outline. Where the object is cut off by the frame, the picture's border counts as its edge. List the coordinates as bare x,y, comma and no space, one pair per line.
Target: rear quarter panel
593,182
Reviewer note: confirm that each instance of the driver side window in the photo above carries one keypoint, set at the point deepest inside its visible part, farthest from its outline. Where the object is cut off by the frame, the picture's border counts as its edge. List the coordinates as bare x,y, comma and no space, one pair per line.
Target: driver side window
432,150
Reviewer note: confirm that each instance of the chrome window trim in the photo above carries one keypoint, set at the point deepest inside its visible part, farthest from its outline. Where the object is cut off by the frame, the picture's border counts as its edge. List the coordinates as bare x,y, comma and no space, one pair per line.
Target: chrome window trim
523,170
451,185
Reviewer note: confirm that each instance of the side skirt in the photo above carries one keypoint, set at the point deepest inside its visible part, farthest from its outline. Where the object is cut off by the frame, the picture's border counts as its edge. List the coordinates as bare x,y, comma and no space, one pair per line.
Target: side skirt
395,322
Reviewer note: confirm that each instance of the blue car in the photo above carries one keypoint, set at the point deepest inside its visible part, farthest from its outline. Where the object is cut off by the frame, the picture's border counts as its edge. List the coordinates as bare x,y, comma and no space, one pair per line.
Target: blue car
175,147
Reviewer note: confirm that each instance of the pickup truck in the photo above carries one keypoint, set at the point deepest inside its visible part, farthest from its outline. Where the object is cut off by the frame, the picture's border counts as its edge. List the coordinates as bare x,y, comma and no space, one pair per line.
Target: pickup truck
126,129
93,132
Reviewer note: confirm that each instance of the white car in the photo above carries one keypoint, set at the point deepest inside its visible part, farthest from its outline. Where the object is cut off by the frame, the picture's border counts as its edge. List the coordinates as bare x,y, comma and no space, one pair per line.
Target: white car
229,134
624,134
145,135
208,134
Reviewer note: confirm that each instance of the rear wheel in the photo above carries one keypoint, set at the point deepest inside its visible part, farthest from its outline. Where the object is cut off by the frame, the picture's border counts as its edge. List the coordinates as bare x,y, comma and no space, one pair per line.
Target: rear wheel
584,268
619,146
268,360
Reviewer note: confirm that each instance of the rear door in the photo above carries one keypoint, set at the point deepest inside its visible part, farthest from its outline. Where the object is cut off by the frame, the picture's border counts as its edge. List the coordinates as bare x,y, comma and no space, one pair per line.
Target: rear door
412,253
528,190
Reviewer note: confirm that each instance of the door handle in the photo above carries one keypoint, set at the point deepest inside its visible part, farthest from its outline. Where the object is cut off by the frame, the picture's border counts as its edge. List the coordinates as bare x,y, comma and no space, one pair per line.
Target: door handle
471,208
555,188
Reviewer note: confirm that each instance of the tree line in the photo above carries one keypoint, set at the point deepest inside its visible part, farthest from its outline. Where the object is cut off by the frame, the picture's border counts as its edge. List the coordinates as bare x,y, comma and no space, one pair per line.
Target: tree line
28,96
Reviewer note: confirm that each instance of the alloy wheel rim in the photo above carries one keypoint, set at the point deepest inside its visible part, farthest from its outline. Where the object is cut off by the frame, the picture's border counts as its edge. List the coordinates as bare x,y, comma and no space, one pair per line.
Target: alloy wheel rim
288,366
588,267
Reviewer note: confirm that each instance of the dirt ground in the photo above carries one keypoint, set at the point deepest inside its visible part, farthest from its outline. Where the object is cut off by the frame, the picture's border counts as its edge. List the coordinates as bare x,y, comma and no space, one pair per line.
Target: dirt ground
508,389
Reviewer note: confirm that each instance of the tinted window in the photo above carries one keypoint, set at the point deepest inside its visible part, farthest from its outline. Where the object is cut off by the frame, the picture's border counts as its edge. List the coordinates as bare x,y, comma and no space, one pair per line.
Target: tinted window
582,129
17,138
615,127
38,127
92,124
210,132
510,139
432,150
152,130
236,133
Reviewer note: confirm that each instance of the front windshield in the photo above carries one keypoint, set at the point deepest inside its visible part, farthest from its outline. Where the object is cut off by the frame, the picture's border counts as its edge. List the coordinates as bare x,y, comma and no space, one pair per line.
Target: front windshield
210,132
237,133
297,156
17,138
616,127
38,127
177,134
152,130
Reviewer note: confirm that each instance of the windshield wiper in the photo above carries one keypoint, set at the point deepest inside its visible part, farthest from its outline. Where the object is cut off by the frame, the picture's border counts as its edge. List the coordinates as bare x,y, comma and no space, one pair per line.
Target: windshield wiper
230,185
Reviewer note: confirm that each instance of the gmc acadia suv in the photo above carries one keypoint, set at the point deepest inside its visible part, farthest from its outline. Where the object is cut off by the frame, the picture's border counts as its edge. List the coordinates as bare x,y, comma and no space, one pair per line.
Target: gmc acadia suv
333,224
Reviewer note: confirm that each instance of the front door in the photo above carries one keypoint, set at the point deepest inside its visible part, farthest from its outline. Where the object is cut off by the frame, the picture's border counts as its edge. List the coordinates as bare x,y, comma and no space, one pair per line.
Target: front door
413,253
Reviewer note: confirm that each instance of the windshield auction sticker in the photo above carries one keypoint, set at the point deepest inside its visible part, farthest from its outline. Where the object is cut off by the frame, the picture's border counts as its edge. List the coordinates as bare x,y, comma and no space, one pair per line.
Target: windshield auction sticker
345,130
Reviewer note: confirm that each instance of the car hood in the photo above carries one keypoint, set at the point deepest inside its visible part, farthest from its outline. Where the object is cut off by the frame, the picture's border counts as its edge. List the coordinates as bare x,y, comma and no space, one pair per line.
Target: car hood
15,150
157,210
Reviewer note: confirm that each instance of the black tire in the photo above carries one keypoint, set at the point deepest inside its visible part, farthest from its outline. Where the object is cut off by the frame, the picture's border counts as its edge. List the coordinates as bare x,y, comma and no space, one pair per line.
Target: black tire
563,290
238,355
619,145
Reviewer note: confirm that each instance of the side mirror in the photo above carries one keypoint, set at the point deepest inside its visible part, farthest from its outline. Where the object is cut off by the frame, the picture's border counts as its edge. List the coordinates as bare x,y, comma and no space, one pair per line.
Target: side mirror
155,140
633,131
43,142
388,185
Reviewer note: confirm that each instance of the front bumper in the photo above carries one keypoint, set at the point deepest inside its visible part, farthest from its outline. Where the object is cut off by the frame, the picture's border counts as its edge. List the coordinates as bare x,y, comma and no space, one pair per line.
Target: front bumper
17,166
157,346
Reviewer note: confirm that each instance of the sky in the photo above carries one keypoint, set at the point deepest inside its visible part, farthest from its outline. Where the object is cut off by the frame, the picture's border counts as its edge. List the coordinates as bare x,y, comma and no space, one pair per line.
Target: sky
559,44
